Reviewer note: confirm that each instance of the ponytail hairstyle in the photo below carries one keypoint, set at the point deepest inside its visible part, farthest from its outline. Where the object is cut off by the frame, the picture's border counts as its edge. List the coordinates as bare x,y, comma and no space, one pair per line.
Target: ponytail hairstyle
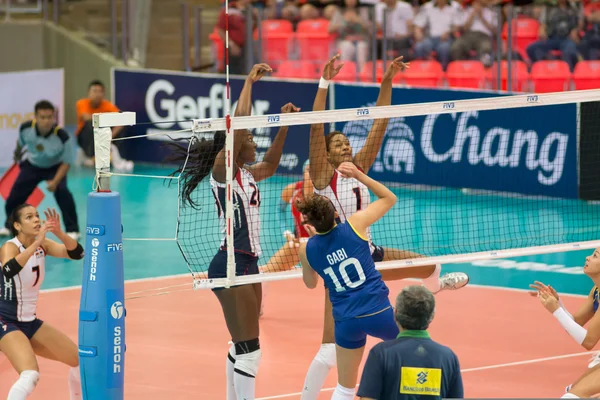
318,211
200,155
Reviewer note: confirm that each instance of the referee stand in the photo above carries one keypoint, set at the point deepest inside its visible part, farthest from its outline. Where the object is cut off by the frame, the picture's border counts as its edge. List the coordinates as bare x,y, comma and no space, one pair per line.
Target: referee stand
412,366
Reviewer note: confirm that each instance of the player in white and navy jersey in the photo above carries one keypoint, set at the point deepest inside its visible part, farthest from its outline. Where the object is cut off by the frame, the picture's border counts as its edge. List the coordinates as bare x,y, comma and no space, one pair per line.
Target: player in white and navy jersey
22,333
588,385
240,303
349,196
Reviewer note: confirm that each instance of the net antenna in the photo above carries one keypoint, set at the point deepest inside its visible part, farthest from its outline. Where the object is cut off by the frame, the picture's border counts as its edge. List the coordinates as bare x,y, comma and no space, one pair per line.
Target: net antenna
581,236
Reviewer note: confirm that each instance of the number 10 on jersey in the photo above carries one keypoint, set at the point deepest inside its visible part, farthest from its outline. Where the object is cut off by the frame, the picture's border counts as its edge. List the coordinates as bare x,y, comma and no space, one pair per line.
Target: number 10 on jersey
343,273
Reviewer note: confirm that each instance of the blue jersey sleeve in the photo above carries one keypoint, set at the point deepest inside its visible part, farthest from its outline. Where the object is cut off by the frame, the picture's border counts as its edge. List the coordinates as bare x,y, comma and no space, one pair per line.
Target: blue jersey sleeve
456,390
371,382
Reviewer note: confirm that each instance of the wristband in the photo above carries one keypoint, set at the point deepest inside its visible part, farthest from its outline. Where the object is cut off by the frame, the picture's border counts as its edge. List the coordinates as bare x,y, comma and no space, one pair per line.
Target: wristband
11,268
76,253
323,83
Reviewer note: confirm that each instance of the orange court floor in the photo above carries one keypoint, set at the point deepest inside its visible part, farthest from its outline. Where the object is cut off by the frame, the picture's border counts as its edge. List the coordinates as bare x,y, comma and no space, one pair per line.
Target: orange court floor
177,343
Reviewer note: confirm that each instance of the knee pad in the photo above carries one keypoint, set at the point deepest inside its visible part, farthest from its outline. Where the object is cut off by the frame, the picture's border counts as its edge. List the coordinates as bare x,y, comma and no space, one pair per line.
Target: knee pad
326,355
28,380
247,358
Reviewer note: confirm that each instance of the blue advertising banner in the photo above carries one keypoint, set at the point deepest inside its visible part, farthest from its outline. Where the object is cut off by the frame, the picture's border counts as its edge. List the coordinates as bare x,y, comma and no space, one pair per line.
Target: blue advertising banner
167,102
530,150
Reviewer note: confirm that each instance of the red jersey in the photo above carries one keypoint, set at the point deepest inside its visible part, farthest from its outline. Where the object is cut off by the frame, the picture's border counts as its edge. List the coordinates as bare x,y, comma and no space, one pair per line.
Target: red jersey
300,231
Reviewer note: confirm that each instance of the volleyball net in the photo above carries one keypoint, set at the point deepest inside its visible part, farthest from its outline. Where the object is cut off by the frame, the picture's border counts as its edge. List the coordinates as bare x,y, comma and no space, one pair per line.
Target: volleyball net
525,191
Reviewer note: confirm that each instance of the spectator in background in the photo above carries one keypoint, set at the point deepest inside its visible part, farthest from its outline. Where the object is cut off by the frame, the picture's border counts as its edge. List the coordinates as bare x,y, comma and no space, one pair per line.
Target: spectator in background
558,31
433,29
590,43
353,33
48,153
399,26
412,365
477,22
237,34
96,103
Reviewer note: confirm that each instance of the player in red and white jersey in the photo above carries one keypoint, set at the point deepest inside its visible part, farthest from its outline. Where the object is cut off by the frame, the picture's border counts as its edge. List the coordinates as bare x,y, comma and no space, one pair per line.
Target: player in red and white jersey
22,334
348,196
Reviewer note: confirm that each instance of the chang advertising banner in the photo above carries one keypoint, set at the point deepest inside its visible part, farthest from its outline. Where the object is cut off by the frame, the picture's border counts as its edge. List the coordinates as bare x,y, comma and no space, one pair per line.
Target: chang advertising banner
530,150
165,103
20,91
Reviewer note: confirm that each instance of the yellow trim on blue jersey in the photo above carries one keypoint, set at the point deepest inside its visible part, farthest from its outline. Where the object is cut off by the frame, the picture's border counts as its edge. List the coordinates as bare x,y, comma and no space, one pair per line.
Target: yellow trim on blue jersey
357,234
325,233
421,381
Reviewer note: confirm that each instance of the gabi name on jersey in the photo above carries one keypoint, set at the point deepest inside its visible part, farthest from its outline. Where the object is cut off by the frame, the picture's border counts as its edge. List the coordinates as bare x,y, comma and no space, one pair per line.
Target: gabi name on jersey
337,256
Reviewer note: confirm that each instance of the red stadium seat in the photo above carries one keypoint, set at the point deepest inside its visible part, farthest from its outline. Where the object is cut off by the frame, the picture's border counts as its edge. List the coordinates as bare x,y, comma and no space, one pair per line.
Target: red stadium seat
348,73
550,76
524,32
277,37
297,69
587,75
519,76
466,74
315,43
423,73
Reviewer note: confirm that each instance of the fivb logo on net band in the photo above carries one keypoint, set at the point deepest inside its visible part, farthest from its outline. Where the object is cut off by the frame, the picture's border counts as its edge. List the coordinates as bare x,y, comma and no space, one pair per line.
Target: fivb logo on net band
117,311
164,107
399,148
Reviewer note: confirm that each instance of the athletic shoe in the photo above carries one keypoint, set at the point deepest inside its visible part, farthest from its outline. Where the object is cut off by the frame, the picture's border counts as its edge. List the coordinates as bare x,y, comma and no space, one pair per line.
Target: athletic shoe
595,360
453,281
4,231
74,235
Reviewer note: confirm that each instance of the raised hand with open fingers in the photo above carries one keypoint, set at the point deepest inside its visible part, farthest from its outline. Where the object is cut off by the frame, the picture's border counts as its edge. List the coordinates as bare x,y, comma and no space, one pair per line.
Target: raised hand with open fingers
396,66
331,70
52,220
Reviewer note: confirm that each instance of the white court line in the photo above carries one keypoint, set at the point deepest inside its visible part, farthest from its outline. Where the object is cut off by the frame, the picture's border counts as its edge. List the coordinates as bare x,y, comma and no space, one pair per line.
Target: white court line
512,364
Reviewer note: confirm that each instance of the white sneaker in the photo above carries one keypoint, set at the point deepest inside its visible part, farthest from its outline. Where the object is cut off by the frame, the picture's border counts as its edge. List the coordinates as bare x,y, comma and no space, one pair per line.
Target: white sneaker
595,360
74,235
4,231
453,281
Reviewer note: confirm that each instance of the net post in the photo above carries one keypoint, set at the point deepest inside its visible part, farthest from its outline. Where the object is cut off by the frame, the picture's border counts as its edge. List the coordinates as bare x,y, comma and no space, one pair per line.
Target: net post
101,336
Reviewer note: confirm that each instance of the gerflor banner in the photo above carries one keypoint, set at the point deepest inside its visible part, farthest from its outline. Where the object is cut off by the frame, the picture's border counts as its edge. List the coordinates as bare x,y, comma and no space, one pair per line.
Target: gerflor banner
530,150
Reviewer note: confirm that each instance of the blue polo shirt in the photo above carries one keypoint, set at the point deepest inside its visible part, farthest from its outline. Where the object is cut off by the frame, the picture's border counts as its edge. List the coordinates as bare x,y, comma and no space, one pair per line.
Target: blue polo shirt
411,367
46,151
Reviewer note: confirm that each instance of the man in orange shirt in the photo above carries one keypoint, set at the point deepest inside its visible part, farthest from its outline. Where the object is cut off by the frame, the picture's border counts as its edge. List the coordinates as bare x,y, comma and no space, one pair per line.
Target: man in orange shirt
96,103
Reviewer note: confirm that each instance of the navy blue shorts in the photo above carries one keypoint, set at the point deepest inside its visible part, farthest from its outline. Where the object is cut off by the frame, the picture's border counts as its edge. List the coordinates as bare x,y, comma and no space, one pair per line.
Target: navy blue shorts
352,333
28,328
245,264
377,253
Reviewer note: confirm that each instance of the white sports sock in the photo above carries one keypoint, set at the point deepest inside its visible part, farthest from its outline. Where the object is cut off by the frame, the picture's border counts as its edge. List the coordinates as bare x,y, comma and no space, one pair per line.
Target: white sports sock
75,384
317,372
246,367
569,396
342,393
433,281
229,372
24,386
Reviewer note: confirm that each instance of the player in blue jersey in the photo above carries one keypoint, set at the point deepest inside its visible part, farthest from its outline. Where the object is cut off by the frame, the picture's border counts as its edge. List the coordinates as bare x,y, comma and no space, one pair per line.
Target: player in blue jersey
589,383
341,255
241,303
